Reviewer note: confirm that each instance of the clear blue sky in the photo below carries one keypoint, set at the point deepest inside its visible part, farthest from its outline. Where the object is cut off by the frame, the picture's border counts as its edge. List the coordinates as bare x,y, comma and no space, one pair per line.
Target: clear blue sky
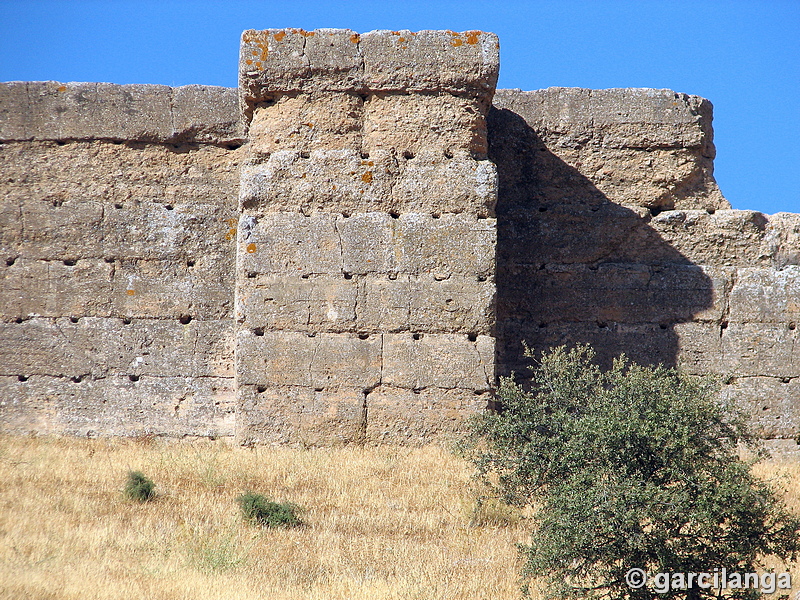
743,56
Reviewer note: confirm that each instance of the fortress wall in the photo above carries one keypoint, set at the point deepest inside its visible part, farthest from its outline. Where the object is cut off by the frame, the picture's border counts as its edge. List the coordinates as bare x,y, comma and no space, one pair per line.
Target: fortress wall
347,274
365,257
611,230
118,207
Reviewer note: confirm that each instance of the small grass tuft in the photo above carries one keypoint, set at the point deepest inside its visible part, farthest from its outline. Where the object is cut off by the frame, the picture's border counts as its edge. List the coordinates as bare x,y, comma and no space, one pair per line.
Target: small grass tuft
258,510
139,488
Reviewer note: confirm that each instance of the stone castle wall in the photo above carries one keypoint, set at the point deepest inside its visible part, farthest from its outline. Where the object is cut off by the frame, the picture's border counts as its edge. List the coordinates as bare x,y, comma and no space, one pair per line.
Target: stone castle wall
360,253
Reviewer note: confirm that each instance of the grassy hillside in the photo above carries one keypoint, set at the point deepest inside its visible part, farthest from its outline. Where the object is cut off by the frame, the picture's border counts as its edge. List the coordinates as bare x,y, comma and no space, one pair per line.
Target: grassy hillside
380,523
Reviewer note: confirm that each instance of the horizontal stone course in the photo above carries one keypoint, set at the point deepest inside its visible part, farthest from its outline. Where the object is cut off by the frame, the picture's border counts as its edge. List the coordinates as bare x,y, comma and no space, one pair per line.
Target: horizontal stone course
332,360
127,288
385,415
339,60
97,347
343,181
370,304
372,242
116,406
50,110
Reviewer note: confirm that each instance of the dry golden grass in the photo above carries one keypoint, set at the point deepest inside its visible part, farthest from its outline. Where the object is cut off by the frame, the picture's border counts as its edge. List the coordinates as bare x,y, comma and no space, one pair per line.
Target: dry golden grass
381,523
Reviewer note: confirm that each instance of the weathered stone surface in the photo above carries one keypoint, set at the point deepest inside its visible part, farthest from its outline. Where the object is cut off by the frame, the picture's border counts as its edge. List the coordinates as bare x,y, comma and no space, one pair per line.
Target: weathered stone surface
308,122
116,406
300,415
84,347
770,402
360,244
327,243
49,110
417,123
112,288
643,147
417,361
325,360
337,60
342,181
766,296
759,349
465,62
206,114
618,292
412,417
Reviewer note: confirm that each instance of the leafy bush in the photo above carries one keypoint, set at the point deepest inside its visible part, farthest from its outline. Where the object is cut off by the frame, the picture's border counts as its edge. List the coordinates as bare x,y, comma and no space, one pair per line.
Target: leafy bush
260,511
139,488
631,467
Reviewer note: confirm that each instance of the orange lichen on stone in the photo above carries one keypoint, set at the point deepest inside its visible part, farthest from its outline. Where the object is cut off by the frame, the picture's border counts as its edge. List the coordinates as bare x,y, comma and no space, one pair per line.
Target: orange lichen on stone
367,177
251,248
279,36
62,88
248,61
355,38
130,292
472,37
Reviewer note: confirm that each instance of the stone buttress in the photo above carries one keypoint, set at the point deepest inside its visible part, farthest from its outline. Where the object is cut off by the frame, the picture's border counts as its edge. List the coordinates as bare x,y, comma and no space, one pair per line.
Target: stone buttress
365,257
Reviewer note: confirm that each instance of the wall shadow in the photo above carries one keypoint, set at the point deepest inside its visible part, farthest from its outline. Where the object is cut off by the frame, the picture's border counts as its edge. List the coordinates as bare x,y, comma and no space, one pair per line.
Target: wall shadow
574,267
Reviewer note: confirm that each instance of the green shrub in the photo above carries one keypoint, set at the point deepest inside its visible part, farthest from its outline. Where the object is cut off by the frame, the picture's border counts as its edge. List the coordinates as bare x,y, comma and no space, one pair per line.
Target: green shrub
631,467
139,488
260,511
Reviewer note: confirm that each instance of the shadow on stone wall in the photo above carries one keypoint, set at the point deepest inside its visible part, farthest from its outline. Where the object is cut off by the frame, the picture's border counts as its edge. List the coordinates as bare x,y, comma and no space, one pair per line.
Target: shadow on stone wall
574,267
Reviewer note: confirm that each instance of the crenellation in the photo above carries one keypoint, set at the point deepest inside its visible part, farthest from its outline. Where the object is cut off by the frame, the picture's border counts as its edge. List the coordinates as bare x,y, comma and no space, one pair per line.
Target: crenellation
350,247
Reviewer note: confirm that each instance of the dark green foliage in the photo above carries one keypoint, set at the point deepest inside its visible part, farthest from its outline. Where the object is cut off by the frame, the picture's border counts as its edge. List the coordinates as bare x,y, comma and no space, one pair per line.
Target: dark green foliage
139,488
260,511
632,467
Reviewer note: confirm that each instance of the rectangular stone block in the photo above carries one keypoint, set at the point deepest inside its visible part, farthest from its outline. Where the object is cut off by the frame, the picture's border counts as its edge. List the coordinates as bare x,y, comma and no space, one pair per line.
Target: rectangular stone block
308,122
450,245
206,114
766,349
699,348
417,417
15,111
171,406
766,295
86,111
87,347
290,244
53,289
443,61
636,118
161,230
285,60
299,415
319,181
326,360
771,404
619,292
433,123
416,361
428,183
319,303
734,238
56,231
343,181
167,289
646,343
421,303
